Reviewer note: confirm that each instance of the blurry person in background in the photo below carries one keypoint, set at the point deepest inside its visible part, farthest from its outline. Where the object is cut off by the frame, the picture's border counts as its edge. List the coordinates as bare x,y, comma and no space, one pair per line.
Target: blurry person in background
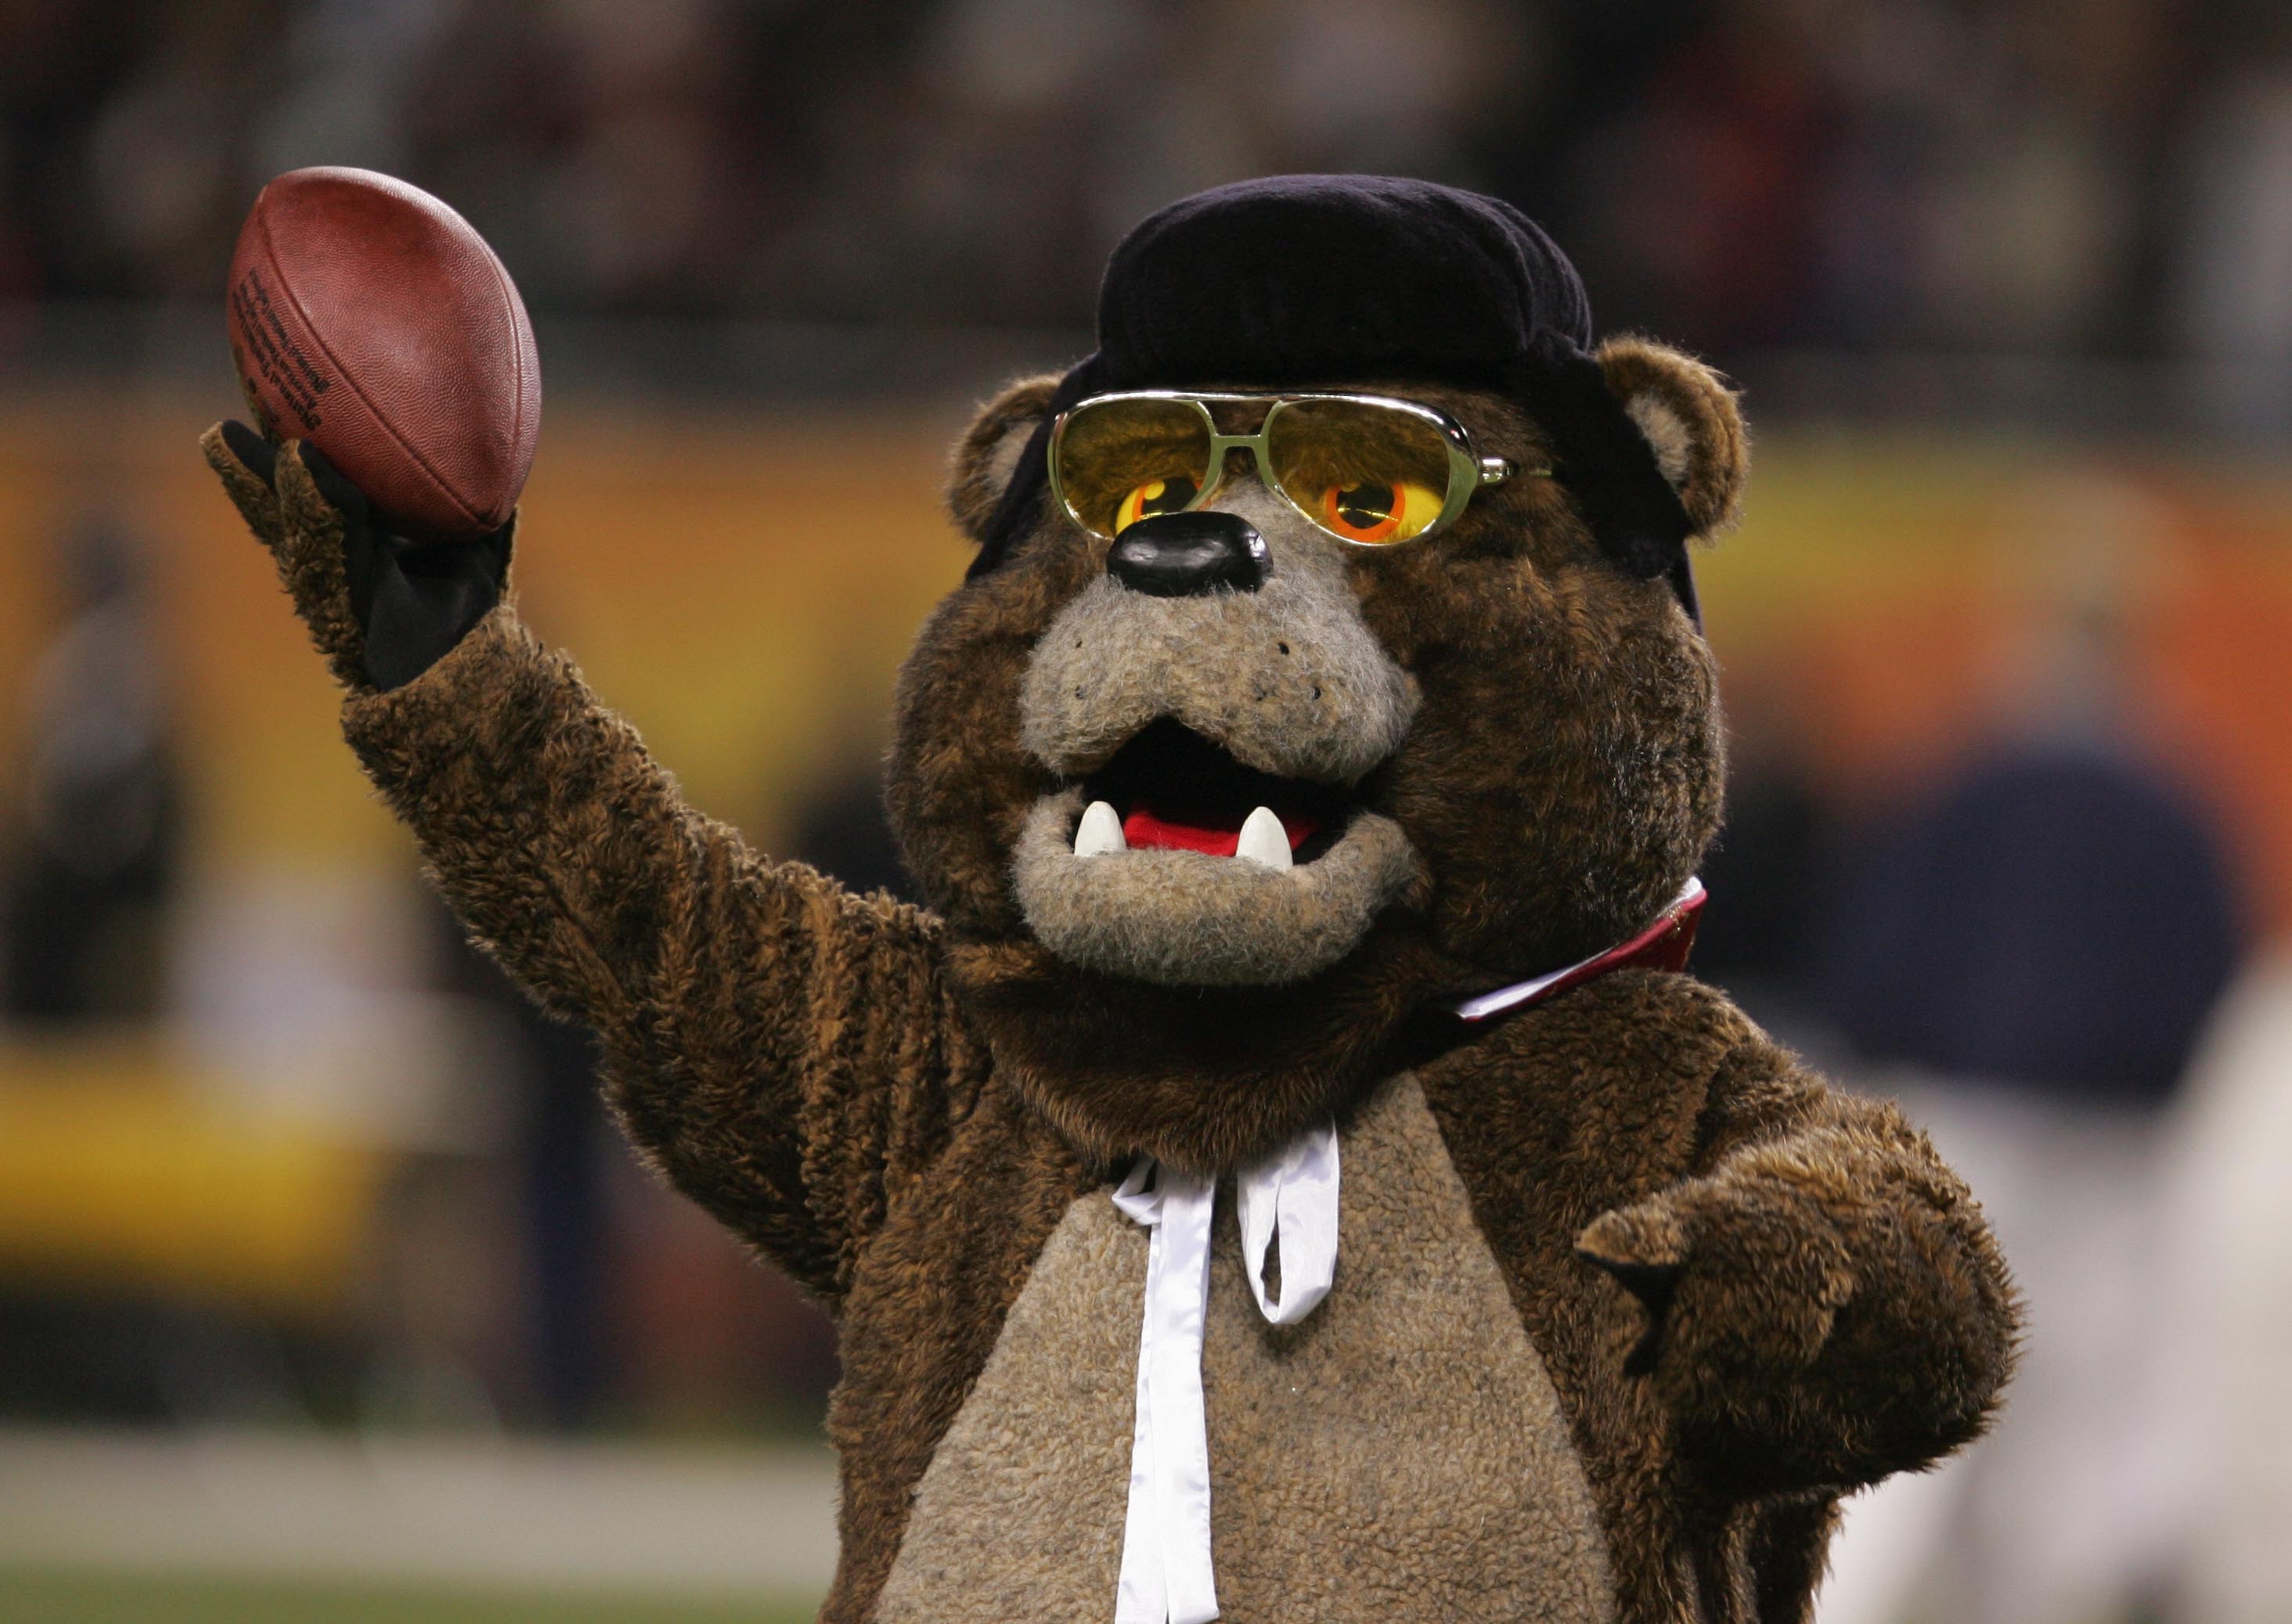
2229,1188
95,824
557,1168
2228,1310
2026,959
841,830
1774,848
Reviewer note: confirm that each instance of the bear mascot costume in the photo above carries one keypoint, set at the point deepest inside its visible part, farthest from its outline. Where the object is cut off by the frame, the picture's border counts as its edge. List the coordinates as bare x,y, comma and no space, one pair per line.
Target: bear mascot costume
1285,1173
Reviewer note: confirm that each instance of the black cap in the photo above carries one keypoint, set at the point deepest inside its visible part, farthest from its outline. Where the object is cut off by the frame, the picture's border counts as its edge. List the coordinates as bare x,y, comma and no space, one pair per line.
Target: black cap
1296,277
1300,280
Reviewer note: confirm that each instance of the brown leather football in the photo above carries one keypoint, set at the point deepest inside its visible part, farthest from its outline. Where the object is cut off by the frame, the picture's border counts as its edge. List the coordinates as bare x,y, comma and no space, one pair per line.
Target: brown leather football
372,320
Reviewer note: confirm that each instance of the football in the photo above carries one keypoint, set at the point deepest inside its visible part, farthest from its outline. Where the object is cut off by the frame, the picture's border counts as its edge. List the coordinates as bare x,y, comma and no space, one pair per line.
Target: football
373,321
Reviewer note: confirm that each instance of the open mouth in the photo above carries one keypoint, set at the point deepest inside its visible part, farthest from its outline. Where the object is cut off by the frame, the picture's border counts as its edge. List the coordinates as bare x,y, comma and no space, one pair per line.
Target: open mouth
1175,862
1169,788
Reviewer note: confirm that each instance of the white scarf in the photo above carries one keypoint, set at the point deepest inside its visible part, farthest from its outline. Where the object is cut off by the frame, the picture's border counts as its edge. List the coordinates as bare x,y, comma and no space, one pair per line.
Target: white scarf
1166,1538
1166,1535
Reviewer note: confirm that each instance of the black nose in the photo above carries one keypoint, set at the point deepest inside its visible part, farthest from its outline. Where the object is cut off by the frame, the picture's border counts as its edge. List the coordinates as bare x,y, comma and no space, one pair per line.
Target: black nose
1184,555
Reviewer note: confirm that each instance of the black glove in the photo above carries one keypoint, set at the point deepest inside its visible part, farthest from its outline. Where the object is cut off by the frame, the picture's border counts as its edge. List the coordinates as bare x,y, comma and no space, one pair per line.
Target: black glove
412,600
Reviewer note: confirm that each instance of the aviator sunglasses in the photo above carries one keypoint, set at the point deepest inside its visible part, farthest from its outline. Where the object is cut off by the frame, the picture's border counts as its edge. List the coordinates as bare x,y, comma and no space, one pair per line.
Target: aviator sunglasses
1368,469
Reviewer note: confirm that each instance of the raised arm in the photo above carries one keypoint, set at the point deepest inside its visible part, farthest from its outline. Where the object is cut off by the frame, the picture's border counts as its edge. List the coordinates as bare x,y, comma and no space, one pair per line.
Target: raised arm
1826,1303
785,1051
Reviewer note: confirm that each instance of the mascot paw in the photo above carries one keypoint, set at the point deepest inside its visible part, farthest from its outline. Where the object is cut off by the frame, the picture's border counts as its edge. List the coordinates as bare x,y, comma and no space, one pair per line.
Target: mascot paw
277,491
1742,1276
383,610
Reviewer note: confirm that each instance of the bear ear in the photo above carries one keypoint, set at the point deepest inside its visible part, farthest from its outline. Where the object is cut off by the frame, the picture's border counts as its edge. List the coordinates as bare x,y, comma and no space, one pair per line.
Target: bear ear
988,451
1689,416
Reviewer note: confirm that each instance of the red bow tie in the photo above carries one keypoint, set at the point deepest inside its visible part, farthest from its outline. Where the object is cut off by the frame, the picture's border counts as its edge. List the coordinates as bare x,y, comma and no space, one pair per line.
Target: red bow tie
1663,946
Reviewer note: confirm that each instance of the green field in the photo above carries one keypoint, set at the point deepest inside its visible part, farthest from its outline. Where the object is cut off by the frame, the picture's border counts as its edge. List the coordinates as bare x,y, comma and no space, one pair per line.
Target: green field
44,1598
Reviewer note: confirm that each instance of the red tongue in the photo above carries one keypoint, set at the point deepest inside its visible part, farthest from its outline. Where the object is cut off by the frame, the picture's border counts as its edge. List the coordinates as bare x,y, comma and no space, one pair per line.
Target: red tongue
1143,830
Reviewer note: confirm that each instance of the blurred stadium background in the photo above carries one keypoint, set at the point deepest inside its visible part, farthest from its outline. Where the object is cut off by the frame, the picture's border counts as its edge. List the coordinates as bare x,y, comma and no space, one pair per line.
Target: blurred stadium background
325,1289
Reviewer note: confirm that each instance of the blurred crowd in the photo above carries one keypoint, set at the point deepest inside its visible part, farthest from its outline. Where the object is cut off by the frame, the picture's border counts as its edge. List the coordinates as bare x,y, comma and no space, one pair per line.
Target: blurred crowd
2083,176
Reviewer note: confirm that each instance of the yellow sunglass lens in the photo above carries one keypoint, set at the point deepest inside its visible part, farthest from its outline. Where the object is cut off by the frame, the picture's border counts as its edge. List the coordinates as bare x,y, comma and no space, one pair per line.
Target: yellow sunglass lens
1121,461
1382,512
1366,473
1156,496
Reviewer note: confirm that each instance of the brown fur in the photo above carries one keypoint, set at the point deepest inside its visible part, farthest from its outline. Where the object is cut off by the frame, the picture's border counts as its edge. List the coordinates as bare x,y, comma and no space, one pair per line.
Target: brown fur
900,1107
924,1316
304,535
1315,1513
1786,1372
1563,777
1298,685
726,989
1697,401
981,461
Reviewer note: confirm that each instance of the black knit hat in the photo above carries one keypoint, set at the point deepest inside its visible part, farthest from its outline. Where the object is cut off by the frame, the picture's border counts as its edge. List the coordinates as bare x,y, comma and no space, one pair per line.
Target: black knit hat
1304,279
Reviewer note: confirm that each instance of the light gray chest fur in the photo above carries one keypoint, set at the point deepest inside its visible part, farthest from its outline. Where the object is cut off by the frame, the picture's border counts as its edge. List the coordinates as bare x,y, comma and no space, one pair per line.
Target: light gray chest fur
1401,1454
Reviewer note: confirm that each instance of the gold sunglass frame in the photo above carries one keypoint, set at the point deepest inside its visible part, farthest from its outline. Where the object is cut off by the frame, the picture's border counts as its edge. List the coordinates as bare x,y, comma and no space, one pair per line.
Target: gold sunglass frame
1468,471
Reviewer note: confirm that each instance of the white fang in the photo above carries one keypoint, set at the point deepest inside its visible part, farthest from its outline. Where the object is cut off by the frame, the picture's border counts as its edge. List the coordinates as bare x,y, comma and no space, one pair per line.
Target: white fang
1263,840
1099,832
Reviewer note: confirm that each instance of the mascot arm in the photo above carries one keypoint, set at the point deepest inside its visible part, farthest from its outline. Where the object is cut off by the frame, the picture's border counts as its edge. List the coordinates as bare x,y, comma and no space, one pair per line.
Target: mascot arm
1826,1303
785,1051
